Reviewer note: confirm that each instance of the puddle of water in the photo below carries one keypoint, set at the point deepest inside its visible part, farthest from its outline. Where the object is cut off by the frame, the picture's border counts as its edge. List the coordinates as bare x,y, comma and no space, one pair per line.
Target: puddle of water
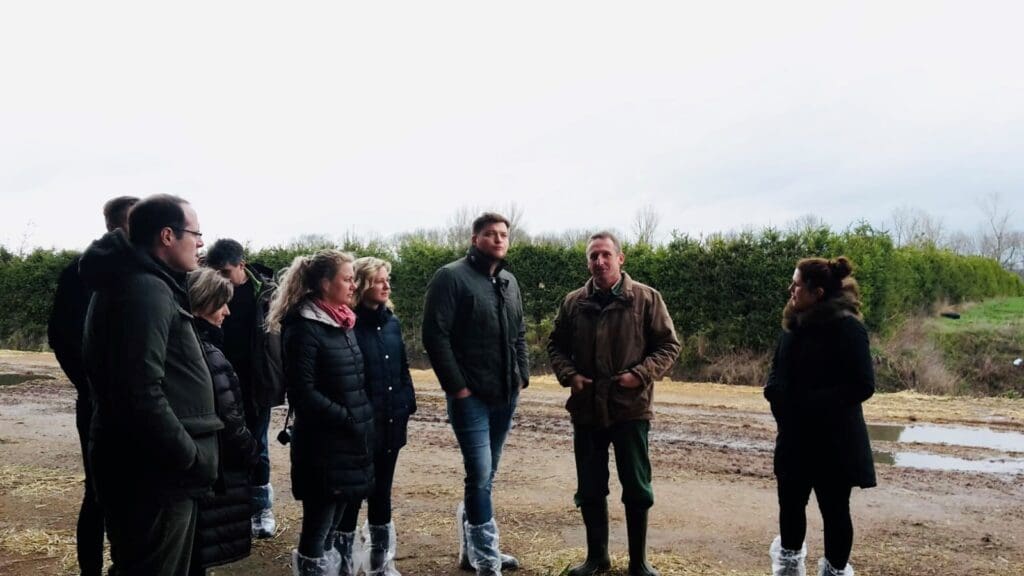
12,379
946,463
951,435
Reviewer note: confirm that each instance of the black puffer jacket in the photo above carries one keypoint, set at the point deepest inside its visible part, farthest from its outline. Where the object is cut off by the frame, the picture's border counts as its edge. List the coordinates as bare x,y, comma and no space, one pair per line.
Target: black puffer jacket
332,438
821,373
387,375
154,429
473,329
224,531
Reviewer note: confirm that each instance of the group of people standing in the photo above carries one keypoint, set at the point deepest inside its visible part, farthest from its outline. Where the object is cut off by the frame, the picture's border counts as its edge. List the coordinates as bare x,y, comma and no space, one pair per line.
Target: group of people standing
180,365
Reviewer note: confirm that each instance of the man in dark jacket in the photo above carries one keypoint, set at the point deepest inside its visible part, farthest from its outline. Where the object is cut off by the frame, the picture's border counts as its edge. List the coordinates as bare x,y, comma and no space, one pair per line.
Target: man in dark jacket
153,447
67,321
255,355
612,339
474,334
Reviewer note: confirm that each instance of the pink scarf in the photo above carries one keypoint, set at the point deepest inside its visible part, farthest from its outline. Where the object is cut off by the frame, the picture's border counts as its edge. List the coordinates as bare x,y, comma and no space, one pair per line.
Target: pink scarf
342,314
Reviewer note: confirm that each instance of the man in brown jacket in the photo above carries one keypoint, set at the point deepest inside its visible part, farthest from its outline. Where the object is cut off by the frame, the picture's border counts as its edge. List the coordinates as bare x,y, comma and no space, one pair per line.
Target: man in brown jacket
612,339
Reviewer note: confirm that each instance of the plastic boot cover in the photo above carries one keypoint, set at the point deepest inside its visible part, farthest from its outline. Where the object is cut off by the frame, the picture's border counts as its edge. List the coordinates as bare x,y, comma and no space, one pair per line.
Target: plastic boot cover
787,562
264,525
381,544
483,548
465,563
826,569
349,552
303,566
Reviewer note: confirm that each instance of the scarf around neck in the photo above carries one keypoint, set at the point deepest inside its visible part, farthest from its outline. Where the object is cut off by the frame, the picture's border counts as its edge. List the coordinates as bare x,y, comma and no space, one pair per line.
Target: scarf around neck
342,314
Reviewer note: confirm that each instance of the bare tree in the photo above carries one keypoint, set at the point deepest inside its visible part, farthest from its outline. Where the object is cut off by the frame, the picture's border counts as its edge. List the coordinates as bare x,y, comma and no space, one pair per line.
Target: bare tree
645,225
806,223
997,239
915,227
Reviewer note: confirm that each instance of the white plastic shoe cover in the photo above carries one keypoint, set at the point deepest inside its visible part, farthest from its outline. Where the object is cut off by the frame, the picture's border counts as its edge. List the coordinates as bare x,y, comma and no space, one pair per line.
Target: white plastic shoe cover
483,548
380,546
305,566
787,562
826,569
350,552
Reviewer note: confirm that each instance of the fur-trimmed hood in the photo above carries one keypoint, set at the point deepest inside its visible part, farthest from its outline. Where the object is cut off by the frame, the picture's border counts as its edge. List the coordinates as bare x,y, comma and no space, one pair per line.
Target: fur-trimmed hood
845,303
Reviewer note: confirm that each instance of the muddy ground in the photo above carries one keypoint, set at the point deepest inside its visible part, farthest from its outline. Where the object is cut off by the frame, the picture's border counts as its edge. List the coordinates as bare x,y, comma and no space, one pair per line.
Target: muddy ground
715,510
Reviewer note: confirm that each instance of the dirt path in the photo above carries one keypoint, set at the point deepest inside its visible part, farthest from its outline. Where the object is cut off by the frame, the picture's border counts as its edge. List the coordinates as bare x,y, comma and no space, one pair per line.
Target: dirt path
711,450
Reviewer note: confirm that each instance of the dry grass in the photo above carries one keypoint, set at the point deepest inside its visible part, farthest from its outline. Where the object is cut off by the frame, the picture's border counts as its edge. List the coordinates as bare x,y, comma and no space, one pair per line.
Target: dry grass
36,542
33,482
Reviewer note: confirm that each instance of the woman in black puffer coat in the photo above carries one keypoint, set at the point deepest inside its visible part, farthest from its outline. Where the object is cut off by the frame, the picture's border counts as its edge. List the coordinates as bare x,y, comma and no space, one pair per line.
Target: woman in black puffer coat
223,530
821,373
389,385
332,436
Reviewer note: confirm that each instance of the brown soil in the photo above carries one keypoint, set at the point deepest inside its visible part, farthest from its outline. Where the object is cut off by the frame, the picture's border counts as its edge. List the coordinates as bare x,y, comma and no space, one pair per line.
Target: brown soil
711,452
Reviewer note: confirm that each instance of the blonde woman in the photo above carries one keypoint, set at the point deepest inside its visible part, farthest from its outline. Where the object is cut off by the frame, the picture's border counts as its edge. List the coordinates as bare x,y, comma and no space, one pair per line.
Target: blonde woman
331,446
391,392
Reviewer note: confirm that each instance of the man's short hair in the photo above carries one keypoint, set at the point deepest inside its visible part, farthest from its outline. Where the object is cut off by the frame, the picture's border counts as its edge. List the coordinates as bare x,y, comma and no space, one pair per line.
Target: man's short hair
154,213
223,252
605,235
115,212
486,219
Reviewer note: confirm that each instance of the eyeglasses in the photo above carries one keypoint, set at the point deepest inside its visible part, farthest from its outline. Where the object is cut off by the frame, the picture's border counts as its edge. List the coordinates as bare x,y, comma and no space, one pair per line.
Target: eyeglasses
192,232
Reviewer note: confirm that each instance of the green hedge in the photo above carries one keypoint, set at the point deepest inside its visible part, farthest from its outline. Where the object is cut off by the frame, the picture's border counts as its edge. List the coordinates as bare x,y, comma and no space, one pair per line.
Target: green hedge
725,293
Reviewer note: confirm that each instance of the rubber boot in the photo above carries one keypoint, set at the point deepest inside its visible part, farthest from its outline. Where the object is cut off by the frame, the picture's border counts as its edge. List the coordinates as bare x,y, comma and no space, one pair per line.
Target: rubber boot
595,519
636,531
825,568
304,566
786,562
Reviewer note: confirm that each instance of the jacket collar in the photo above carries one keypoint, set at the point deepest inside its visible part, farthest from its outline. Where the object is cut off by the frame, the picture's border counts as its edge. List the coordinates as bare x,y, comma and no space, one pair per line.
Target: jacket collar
482,262
844,304
377,317
209,333
592,296
310,311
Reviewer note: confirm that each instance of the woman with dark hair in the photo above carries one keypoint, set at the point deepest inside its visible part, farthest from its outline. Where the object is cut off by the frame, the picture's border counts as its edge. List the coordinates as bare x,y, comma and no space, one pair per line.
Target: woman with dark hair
391,391
820,375
223,532
332,436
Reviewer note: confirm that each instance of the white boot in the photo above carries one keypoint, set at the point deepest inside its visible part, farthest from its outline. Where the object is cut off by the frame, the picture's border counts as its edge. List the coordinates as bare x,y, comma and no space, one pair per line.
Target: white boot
826,569
787,562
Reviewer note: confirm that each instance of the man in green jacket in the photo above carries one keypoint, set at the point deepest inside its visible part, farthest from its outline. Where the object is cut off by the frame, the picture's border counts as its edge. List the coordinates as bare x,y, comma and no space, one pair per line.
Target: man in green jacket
153,445
612,339
475,336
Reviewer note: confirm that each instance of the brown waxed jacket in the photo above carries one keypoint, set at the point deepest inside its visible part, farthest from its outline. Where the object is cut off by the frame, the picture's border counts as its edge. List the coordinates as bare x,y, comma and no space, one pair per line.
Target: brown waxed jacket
633,333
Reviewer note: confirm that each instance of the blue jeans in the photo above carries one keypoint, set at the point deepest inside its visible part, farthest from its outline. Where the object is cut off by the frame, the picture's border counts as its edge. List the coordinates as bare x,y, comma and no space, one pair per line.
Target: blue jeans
480,429
257,420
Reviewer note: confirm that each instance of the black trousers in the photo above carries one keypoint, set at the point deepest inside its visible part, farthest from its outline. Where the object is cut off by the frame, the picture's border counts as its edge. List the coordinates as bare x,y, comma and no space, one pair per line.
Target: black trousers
834,504
89,532
378,508
319,519
150,537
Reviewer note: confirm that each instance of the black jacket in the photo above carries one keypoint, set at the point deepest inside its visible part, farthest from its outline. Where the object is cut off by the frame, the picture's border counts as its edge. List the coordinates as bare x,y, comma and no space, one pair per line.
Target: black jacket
332,437
154,428
821,373
473,329
255,353
224,530
387,375
66,324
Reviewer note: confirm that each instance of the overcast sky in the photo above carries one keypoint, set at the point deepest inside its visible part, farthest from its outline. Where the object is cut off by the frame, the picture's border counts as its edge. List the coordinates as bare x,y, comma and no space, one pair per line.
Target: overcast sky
282,119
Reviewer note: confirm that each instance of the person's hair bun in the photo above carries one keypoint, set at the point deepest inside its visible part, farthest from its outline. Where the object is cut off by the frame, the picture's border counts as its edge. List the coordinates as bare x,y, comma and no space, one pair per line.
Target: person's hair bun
841,267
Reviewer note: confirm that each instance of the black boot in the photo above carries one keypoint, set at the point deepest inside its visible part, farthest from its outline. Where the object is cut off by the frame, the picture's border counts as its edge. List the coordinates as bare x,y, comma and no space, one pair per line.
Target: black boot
595,518
636,530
